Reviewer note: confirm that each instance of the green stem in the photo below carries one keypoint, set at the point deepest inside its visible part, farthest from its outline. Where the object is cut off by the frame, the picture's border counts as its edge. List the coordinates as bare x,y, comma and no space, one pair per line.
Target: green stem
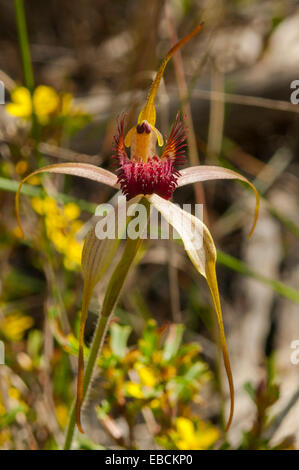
70,428
37,191
95,350
24,44
112,294
28,70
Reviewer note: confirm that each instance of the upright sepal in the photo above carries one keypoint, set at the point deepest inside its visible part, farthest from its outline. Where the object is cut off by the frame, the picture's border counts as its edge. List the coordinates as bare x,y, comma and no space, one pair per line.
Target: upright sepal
148,113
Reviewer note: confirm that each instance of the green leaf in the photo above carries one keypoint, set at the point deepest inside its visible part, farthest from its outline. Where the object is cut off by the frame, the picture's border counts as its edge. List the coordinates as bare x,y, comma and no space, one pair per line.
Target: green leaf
248,387
150,339
9,418
172,342
241,267
195,371
34,191
119,338
34,343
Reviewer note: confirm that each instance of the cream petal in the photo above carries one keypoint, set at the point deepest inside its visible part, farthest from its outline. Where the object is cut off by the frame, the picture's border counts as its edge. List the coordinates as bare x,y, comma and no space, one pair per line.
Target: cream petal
195,174
202,252
84,170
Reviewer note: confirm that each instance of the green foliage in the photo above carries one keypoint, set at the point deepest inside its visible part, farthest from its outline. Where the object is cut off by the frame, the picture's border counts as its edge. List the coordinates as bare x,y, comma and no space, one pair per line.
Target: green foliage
160,374
264,396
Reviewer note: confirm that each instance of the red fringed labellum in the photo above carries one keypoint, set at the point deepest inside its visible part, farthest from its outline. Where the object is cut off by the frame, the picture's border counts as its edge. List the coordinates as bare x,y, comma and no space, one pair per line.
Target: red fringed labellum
145,172
154,176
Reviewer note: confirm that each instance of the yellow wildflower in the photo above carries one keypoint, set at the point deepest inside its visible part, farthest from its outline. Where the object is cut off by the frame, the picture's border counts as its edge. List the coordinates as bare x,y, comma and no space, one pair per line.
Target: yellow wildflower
58,220
75,226
146,375
62,415
59,239
71,211
4,435
45,102
14,325
21,104
66,103
6,168
170,371
61,227
157,357
38,205
189,437
74,250
134,390
34,180
155,404
14,393
2,408
50,206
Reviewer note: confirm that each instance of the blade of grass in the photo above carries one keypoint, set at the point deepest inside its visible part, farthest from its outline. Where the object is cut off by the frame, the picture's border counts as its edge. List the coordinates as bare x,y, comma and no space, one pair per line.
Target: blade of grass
216,119
27,70
245,100
239,266
24,44
289,224
284,220
33,191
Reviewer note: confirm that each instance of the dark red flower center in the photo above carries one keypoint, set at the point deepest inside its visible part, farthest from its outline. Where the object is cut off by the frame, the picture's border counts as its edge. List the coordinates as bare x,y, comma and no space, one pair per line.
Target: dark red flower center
155,175
143,127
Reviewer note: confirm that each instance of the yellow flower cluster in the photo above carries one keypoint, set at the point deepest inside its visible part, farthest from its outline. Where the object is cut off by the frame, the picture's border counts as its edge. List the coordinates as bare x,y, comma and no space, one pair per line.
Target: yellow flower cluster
134,390
10,410
14,325
61,226
146,375
147,379
62,415
44,103
187,436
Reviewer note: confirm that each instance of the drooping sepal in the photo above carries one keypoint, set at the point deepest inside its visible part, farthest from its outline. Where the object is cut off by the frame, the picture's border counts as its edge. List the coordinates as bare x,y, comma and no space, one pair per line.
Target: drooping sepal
194,174
97,255
201,250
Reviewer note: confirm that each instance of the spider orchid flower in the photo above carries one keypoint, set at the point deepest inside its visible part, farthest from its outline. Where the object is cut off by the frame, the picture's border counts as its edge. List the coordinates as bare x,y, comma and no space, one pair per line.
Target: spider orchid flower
144,175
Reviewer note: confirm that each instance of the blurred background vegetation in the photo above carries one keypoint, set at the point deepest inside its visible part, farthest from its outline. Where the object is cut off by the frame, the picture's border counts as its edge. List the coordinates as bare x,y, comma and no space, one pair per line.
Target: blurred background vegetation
160,380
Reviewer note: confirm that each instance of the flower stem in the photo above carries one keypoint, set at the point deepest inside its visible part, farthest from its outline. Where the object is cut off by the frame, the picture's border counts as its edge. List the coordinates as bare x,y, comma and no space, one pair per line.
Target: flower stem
24,44
27,69
112,294
95,350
